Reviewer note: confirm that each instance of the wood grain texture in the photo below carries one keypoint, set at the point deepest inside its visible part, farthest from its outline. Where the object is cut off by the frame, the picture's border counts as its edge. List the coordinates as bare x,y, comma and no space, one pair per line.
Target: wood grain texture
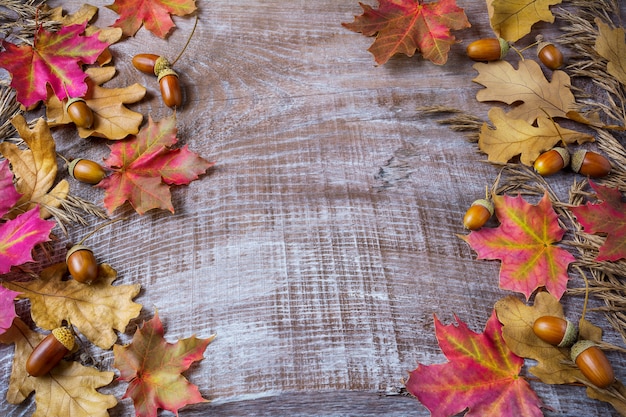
323,241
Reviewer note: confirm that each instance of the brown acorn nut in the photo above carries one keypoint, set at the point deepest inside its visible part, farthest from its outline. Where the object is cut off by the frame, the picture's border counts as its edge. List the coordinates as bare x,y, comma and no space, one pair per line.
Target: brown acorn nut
549,54
170,88
590,164
552,161
82,264
593,363
555,331
49,352
477,215
488,49
87,171
150,63
79,112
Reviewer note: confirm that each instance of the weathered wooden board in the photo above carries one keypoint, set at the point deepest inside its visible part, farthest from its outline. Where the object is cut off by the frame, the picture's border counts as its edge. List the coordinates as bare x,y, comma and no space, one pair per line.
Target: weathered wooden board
324,240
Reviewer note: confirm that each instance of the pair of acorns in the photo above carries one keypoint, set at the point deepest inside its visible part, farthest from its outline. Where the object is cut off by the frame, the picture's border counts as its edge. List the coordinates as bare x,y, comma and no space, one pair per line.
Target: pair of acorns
166,76
589,358
494,49
582,162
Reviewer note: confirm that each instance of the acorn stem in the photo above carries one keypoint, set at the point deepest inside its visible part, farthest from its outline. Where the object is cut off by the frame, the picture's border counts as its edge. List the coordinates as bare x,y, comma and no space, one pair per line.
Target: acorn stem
193,30
102,226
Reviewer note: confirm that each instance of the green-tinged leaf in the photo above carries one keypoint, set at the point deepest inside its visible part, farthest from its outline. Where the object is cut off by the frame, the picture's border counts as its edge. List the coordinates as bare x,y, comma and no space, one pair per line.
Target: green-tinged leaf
153,369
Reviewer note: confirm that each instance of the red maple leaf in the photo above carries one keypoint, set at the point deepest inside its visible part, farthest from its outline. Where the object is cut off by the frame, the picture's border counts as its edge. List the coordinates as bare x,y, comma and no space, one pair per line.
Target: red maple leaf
406,26
608,217
7,308
524,242
19,236
55,59
482,374
144,167
153,368
154,14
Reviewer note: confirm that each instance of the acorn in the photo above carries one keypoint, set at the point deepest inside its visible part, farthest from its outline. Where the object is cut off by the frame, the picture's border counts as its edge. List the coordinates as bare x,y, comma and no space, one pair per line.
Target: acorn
87,171
170,88
82,264
79,112
488,49
552,161
49,352
593,363
555,331
167,77
477,215
590,164
549,54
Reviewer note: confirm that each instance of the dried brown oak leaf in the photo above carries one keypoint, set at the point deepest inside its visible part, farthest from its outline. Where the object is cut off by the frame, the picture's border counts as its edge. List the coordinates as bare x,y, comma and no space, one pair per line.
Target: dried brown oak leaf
112,119
68,390
554,365
527,84
611,46
513,19
96,310
35,168
511,137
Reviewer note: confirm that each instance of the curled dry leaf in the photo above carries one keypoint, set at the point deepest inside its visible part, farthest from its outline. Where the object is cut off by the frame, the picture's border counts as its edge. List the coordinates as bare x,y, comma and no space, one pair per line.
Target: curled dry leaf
35,168
96,310
513,137
611,46
554,365
112,119
69,389
539,97
512,20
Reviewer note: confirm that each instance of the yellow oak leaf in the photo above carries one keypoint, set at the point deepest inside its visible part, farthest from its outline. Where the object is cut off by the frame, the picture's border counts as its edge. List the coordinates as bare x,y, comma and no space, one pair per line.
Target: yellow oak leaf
512,19
35,168
513,137
96,310
611,46
68,390
527,84
112,120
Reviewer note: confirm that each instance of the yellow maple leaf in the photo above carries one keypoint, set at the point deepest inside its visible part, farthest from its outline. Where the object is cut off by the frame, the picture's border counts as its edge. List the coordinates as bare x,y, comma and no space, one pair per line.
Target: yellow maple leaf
512,137
112,120
512,19
611,46
35,168
527,84
96,310
68,390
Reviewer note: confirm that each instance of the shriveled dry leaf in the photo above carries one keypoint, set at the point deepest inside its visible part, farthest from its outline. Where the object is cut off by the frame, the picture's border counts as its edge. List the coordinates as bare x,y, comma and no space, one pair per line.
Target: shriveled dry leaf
512,137
513,19
96,310
35,168
68,390
112,119
527,84
611,46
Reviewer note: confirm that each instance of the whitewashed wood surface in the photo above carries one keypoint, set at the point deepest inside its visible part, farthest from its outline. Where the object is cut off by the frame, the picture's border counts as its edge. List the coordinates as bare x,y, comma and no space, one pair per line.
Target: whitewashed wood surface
324,241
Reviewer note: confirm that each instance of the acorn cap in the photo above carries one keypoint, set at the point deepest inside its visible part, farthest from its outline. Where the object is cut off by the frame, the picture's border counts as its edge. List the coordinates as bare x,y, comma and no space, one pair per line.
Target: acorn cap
579,347
74,249
165,72
504,47
570,336
577,159
72,101
485,203
65,336
564,154
160,65
72,165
